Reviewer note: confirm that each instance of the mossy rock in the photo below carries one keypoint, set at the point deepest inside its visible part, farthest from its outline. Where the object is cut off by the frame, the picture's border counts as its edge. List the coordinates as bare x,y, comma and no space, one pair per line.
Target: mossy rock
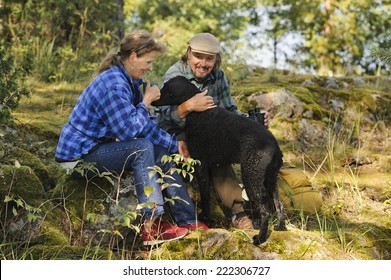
52,231
28,159
74,192
21,182
93,213
68,252
213,244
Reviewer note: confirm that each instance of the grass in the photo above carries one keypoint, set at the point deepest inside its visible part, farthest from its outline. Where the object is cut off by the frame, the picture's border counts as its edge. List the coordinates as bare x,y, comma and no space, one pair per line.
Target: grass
354,222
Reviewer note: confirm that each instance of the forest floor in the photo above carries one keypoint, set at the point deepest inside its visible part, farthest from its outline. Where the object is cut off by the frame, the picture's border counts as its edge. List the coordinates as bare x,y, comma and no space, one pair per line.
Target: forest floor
352,176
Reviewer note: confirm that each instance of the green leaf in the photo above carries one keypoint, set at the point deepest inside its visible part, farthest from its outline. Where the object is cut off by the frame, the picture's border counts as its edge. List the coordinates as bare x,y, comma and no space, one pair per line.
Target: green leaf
19,202
145,204
168,177
169,200
127,221
14,211
151,174
179,198
31,217
7,199
17,164
116,232
148,190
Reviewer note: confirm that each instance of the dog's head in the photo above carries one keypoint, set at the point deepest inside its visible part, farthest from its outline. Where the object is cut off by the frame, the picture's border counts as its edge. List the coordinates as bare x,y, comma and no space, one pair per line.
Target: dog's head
176,91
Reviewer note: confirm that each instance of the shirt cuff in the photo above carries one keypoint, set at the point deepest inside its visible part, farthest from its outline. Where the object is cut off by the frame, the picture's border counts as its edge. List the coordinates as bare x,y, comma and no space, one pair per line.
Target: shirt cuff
175,116
173,145
141,105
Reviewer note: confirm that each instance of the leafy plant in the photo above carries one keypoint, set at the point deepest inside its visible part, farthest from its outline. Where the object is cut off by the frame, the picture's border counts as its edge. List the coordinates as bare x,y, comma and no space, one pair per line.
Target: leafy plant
382,54
12,82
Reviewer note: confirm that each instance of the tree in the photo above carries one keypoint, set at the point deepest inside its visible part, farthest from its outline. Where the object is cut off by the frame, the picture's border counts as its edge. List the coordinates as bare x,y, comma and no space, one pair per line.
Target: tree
66,36
336,34
176,21
12,79
271,29
382,54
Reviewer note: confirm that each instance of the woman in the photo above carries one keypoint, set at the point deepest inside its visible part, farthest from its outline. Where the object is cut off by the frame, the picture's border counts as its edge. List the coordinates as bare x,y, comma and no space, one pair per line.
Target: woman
111,126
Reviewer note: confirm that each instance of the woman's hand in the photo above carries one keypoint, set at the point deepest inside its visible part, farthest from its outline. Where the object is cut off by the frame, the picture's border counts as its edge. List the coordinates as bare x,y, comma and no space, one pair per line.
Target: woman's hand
152,93
198,103
182,148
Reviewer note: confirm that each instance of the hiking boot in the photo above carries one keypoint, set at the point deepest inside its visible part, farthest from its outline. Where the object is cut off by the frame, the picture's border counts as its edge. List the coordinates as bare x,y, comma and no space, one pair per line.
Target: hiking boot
195,226
162,231
242,221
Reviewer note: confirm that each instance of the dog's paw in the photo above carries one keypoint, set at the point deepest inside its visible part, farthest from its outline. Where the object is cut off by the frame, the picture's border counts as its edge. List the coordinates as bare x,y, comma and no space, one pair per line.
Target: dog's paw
281,227
258,239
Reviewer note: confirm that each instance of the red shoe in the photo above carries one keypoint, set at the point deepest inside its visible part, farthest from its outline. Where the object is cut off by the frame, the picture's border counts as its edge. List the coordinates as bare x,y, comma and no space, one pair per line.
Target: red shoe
195,226
162,231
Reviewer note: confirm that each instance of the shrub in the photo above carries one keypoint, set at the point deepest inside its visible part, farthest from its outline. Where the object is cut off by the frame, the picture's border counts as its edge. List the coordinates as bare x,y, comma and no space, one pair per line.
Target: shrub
12,82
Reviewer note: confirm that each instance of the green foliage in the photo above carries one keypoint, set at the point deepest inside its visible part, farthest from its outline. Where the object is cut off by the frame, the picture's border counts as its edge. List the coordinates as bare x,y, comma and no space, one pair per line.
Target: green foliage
177,21
336,34
65,36
68,41
19,204
182,166
12,82
382,54
185,167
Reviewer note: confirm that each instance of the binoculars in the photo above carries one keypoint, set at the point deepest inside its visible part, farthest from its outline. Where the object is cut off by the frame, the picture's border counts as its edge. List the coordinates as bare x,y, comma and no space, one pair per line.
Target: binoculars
257,115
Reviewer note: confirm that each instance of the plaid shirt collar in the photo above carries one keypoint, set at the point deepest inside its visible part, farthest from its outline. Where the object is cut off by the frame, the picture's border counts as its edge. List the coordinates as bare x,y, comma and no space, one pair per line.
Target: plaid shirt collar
132,82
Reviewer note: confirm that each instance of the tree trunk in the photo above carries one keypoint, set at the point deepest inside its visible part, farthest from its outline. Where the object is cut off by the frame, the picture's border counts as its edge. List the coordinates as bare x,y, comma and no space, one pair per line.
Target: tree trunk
120,18
324,67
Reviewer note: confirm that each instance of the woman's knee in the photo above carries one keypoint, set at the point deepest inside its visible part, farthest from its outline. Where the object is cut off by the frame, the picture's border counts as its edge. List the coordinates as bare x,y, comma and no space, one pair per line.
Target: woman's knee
143,144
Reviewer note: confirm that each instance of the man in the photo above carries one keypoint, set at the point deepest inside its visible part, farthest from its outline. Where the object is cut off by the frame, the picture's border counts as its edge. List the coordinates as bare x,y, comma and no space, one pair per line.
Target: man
201,65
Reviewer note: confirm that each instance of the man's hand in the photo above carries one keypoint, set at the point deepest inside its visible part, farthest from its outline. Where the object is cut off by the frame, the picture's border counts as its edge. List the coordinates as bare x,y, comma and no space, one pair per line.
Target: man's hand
182,148
198,103
266,119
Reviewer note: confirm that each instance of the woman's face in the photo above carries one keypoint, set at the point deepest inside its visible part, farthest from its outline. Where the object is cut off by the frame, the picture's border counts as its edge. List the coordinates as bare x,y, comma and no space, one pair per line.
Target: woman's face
140,65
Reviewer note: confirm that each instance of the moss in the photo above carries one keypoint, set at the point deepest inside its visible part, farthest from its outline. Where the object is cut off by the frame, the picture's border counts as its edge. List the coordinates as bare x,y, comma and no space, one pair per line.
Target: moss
344,229
21,183
213,244
28,159
73,192
67,252
50,233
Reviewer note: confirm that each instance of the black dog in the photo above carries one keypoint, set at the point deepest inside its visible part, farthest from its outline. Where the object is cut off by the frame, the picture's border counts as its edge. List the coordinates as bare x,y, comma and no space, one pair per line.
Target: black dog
220,137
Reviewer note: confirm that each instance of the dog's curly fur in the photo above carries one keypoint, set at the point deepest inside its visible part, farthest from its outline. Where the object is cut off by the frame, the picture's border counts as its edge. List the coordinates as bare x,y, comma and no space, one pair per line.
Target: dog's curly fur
220,137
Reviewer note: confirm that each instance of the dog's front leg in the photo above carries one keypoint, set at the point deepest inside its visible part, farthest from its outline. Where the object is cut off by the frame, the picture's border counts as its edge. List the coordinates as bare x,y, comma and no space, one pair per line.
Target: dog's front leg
203,184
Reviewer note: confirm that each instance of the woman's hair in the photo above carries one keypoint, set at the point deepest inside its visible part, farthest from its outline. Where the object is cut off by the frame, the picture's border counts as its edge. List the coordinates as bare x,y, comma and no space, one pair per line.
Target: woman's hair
185,58
140,42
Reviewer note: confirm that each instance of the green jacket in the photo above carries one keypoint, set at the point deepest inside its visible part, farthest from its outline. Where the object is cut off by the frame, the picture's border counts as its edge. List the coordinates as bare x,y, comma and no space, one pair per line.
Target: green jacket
217,86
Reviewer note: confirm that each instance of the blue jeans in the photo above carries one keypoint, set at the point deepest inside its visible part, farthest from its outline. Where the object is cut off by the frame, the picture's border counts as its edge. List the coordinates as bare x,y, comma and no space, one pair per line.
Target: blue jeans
137,155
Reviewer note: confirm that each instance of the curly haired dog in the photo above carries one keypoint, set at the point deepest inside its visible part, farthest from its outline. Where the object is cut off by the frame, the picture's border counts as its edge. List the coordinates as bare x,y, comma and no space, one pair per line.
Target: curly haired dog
220,137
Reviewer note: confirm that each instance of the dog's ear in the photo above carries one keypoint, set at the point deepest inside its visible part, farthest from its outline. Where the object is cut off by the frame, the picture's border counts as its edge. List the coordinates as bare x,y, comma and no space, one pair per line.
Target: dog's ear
165,97
176,91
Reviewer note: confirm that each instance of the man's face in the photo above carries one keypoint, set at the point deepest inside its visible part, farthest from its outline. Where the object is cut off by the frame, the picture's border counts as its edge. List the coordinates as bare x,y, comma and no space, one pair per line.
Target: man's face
201,64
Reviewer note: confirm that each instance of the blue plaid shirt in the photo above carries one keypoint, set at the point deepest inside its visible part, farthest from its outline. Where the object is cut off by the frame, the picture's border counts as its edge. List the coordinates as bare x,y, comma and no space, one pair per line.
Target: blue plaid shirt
110,109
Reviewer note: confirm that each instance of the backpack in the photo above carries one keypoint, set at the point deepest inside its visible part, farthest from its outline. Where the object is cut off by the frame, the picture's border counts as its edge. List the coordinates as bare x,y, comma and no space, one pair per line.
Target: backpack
296,191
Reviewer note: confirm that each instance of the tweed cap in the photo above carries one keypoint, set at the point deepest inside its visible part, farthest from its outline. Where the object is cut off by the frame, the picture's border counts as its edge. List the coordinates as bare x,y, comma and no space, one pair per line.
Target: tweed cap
205,43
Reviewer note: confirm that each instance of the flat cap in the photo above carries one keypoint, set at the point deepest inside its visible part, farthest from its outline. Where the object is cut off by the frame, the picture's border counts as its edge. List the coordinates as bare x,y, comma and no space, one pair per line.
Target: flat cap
205,43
